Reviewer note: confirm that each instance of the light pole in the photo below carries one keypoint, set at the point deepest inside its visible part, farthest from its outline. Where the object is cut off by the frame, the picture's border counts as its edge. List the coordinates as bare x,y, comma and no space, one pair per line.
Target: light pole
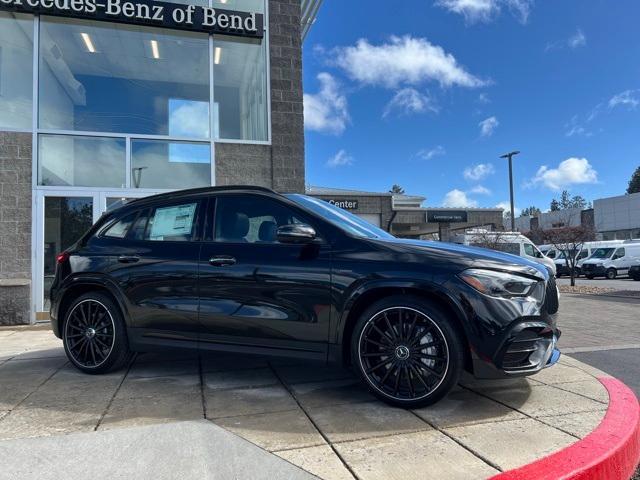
510,155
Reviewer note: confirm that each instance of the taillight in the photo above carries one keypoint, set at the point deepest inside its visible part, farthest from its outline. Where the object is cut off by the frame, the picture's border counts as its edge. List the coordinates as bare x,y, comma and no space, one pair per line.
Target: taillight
62,257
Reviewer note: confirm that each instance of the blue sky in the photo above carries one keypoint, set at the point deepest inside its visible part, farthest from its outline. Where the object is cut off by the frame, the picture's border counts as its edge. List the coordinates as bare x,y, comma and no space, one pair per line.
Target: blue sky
428,93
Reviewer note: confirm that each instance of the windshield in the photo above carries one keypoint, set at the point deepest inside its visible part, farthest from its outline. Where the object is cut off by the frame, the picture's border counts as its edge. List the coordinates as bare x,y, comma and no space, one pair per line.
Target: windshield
340,218
602,253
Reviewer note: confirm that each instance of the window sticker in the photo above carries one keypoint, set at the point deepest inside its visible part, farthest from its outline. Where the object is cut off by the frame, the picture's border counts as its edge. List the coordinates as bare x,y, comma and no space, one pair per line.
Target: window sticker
173,221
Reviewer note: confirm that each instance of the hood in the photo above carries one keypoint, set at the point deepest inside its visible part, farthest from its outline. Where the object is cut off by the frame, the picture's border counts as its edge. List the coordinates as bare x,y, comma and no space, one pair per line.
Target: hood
471,257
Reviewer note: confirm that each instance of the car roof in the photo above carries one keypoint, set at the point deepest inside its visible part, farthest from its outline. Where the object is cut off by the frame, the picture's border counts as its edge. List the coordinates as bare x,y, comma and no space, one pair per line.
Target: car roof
177,194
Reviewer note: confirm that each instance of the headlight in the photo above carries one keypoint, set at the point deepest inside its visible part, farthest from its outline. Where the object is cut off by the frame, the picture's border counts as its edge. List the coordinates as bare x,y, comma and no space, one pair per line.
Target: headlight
501,284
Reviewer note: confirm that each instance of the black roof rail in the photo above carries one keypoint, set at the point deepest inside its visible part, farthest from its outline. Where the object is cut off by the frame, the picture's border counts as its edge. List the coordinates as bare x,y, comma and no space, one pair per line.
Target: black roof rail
200,190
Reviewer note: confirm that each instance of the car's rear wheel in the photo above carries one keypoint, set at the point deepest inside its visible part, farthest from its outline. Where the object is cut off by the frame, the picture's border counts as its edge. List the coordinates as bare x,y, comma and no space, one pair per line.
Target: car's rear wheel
611,273
590,277
407,351
94,334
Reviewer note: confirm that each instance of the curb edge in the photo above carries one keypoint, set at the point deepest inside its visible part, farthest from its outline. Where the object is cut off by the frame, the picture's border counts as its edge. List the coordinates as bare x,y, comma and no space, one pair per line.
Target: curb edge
611,451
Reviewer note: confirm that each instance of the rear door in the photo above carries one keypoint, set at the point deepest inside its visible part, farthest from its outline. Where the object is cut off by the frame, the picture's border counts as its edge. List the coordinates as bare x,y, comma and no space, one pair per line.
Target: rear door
255,292
156,267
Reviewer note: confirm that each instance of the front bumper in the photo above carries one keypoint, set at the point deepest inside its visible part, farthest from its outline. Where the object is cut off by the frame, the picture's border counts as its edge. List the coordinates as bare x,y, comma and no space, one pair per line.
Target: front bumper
510,337
595,270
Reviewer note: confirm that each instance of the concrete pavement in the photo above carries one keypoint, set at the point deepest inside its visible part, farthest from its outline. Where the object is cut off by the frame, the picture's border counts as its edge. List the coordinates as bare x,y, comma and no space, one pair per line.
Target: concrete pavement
318,418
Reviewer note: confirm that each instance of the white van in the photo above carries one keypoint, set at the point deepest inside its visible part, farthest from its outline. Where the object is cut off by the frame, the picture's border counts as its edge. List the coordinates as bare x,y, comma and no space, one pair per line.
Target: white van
508,242
611,261
584,253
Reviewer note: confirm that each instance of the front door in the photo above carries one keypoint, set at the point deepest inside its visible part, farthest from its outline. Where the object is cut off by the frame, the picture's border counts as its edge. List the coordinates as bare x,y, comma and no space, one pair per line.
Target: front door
256,292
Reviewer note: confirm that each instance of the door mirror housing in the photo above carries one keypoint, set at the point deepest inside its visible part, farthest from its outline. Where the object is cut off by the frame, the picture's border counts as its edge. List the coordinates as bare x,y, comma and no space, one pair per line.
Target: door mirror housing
295,233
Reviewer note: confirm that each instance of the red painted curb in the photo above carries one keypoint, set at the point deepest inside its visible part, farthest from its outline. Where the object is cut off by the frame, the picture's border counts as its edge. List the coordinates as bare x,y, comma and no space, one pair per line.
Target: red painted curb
610,452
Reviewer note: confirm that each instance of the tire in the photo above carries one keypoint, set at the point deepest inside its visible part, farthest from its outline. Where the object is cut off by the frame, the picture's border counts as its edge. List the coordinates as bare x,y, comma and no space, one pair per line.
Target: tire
94,334
611,273
637,279
397,368
590,277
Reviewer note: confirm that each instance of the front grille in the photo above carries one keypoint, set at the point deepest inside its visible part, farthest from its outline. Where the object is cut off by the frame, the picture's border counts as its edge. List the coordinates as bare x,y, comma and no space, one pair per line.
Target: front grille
551,303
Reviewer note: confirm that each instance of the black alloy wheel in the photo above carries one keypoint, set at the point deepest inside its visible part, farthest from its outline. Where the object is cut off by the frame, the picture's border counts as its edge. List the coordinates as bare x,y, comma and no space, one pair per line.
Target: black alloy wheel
93,335
407,353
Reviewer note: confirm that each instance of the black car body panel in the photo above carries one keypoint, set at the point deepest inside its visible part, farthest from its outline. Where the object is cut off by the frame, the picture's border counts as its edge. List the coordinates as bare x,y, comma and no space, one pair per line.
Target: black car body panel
294,299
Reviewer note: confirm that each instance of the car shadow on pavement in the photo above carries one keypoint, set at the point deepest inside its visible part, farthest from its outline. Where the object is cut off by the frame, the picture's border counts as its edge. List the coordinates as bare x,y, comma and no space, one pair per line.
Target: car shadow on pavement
276,404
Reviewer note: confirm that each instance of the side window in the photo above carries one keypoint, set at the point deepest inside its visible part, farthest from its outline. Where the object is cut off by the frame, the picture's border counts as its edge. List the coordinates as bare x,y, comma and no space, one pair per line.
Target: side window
583,254
512,248
172,223
529,250
120,228
551,254
251,219
619,254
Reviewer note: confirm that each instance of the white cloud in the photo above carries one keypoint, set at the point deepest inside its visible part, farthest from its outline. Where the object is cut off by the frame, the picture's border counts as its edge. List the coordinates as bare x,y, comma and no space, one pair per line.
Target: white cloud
486,10
628,98
483,98
577,40
479,171
572,171
400,61
487,126
188,119
326,111
574,128
458,198
506,206
409,100
428,154
340,159
480,190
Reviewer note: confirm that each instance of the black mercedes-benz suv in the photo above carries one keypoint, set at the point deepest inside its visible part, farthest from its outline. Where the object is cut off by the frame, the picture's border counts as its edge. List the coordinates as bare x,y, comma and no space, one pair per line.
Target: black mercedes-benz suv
247,270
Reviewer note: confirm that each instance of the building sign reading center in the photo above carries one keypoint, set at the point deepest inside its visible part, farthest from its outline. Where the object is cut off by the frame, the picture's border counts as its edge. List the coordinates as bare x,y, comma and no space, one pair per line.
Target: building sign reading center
148,12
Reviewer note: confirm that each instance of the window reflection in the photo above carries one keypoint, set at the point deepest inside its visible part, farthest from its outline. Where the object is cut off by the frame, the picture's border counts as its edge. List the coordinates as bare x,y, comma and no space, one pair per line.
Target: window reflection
158,164
81,161
256,6
240,90
102,77
16,70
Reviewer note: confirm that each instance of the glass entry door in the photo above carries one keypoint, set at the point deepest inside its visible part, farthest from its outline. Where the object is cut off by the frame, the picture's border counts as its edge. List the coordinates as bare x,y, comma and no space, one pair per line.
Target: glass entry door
62,218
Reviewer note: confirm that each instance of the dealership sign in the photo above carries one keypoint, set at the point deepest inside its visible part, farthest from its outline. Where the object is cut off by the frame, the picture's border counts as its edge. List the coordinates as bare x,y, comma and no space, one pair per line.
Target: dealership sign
148,12
446,216
344,204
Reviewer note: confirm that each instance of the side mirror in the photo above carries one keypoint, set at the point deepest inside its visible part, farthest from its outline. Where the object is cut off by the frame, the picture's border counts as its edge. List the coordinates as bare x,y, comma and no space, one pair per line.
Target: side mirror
295,233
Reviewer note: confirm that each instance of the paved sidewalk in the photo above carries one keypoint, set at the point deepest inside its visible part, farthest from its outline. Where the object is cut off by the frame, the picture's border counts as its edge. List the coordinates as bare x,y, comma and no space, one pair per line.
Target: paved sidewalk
316,417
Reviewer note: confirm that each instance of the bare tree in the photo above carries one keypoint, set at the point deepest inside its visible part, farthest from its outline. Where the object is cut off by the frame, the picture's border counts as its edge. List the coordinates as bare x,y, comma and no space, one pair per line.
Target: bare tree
488,239
569,240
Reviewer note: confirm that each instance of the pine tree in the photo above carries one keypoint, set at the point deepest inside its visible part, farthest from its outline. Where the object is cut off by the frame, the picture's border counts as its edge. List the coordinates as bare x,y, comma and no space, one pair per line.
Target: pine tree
396,189
634,183
555,205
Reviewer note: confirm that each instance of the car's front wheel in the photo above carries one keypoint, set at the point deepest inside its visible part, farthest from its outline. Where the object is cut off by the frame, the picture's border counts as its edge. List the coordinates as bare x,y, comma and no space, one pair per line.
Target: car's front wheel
407,351
611,273
94,334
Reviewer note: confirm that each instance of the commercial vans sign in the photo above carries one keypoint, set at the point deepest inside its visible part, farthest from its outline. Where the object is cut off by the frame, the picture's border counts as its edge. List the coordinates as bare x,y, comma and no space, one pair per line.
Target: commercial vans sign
446,216
147,12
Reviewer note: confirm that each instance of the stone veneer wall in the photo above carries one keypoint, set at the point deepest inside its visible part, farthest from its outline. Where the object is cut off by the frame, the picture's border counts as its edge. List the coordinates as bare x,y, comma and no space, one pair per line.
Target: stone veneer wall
15,228
281,165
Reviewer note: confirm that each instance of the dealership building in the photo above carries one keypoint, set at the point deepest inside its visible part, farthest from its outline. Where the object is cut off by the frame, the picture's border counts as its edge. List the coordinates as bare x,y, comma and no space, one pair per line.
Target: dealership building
103,101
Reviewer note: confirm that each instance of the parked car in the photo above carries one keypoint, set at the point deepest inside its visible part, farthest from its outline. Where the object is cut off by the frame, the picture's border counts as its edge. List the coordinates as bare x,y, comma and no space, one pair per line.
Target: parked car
634,271
611,261
509,242
247,270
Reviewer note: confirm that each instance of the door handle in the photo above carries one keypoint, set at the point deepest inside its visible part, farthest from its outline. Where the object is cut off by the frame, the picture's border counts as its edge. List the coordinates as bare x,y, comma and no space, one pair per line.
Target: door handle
128,258
222,261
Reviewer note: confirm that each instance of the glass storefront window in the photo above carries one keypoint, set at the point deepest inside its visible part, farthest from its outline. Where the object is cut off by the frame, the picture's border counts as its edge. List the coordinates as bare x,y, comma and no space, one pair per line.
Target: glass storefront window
240,90
16,71
240,5
65,160
103,77
170,165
